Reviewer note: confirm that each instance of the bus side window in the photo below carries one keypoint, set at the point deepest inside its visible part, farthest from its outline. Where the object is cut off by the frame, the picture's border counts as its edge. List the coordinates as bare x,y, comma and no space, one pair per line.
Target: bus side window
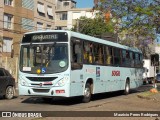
141,60
96,53
133,61
136,59
107,56
117,57
85,52
100,53
90,52
128,59
76,54
123,57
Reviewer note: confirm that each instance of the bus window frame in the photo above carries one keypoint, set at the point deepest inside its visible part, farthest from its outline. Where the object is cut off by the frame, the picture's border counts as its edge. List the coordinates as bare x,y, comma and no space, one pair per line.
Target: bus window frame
104,55
75,65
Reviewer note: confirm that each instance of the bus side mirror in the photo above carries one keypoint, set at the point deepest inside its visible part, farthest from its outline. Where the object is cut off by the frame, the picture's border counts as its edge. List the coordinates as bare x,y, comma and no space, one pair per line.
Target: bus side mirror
12,53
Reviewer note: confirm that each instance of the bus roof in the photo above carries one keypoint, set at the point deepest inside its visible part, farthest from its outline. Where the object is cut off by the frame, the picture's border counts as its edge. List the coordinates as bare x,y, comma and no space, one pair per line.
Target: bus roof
90,38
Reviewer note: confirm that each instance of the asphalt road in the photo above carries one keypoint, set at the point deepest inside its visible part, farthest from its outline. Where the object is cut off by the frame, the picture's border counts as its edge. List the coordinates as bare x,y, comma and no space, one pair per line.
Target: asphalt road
114,101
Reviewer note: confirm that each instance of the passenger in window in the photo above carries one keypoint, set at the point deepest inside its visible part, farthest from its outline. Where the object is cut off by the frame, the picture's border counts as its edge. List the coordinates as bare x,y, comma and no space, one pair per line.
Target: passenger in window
78,53
108,56
85,53
90,53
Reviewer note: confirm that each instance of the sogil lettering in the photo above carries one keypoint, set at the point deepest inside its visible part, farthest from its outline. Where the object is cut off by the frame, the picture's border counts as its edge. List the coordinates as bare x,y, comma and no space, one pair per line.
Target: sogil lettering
115,73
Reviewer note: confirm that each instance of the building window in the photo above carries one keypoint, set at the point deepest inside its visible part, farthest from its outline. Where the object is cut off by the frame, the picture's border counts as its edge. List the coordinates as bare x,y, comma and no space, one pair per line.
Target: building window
7,42
63,16
8,2
39,26
27,24
29,4
40,7
8,21
65,4
49,11
48,27
58,28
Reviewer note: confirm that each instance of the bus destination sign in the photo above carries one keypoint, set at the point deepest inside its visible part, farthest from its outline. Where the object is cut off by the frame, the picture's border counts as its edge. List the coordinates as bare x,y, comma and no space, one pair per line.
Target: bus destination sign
45,37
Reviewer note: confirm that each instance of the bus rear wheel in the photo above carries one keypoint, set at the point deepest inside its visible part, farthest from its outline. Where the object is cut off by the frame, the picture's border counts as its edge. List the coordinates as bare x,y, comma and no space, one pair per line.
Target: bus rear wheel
87,93
127,88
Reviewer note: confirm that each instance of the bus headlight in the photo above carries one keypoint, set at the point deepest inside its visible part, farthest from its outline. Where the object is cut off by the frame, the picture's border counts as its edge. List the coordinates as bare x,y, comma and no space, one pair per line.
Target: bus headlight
23,82
61,83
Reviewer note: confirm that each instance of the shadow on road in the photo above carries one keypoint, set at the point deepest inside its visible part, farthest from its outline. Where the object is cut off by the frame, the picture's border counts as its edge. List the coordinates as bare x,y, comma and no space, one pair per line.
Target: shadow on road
77,100
3,98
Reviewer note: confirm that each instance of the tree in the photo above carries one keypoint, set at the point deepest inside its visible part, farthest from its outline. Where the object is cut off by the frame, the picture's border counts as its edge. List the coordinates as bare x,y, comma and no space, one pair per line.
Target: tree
93,27
138,18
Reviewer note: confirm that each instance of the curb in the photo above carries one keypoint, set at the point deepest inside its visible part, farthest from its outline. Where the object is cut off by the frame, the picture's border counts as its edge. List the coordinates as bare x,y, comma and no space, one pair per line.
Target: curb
148,96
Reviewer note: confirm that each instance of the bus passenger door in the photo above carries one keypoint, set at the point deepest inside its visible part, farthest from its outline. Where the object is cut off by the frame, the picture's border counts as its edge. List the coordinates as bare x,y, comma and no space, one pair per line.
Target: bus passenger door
76,86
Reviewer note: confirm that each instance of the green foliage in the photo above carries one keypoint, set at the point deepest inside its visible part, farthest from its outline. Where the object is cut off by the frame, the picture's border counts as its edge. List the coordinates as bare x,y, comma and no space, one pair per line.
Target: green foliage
93,27
138,19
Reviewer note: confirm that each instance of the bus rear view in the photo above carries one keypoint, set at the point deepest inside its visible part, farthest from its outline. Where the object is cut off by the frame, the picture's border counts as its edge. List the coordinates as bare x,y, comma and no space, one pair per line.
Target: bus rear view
44,66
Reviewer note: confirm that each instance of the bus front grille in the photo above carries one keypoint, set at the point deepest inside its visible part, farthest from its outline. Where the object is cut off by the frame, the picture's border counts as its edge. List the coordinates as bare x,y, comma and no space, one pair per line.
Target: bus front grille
42,79
41,90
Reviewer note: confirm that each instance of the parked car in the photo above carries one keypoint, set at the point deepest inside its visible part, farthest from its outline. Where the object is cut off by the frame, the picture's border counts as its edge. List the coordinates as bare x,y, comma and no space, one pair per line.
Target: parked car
158,77
7,84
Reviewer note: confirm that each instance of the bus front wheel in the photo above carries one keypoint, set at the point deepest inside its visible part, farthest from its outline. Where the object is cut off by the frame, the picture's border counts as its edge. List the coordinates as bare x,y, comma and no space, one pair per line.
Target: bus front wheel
87,93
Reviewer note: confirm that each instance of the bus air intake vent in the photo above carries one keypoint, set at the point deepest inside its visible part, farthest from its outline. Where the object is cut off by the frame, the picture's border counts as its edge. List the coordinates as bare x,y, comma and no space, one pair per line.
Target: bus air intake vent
41,90
42,79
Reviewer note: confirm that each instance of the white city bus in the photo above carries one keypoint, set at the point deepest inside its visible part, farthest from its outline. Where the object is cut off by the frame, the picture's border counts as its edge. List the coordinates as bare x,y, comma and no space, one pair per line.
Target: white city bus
59,63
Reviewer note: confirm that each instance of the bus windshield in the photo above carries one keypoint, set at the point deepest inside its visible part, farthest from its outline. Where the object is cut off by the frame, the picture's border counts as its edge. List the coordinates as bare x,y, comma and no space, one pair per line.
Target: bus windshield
47,58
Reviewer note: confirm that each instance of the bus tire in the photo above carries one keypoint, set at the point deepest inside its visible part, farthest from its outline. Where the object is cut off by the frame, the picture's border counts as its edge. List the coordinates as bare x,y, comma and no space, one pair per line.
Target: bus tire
87,93
9,93
127,88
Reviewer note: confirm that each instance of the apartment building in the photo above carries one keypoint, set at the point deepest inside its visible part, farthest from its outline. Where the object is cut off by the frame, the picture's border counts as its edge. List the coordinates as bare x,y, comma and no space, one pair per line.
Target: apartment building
16,17
20,16
67,14
76,13
44,14
62,8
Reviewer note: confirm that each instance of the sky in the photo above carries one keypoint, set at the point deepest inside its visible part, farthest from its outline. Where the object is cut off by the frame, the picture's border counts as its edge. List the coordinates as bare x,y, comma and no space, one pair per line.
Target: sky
84,3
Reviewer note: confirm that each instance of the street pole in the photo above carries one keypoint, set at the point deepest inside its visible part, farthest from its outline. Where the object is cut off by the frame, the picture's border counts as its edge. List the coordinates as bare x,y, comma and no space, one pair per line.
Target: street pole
154,81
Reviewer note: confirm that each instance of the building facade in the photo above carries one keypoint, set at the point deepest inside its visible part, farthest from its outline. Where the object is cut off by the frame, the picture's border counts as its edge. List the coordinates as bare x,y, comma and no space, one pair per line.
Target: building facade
12,25
44,14
20,16
67,14
76,13
62,8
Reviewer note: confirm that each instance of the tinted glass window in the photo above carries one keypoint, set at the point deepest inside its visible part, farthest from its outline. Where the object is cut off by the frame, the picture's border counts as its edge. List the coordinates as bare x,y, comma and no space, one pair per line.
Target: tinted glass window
1,73
7,73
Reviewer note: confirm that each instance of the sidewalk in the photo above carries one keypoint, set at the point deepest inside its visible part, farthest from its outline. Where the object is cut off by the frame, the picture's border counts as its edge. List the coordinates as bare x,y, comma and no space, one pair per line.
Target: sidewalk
149,95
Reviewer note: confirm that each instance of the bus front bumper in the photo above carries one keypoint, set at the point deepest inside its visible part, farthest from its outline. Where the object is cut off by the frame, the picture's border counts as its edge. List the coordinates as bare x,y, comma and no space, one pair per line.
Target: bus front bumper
43,91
